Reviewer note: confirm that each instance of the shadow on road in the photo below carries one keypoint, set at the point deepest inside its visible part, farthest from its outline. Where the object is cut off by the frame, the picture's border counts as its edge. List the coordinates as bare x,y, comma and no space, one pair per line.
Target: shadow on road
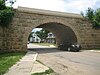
45,50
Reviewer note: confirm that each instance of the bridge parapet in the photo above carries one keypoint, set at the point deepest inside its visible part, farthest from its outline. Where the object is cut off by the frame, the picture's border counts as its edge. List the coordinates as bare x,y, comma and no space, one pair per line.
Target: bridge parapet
48,12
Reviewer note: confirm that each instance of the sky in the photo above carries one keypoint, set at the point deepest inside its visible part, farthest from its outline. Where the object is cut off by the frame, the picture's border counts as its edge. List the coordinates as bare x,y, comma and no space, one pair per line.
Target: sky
71,6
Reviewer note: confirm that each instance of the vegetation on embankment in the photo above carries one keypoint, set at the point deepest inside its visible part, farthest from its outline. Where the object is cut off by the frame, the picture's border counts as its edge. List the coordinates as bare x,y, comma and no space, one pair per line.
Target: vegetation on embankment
9,59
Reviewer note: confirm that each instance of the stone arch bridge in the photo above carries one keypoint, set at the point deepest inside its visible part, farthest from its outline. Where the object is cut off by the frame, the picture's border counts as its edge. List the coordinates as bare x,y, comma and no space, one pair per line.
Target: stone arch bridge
67,27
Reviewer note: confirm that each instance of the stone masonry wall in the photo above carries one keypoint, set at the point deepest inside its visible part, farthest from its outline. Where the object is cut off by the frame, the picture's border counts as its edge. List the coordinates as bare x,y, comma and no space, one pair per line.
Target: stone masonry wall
23,23
1,38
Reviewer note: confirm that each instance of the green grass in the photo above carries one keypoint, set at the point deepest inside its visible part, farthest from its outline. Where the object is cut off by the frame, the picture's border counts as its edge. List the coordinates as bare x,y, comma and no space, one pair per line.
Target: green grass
97,49
8,59
44,73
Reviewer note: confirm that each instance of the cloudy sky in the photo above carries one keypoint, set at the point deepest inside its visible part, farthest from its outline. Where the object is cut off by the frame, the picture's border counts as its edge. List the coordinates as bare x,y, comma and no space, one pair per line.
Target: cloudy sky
73,6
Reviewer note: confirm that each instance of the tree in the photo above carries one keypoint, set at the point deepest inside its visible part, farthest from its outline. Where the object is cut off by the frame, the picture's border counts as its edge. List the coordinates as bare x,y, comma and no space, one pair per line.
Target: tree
96,20
93,16
6,13
2,5
30,35
10,2
90,14
42,34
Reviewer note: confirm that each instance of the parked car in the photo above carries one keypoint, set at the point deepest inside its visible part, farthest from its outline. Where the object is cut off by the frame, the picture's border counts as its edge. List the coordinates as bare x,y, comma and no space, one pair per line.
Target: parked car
63,46
28,42
70,47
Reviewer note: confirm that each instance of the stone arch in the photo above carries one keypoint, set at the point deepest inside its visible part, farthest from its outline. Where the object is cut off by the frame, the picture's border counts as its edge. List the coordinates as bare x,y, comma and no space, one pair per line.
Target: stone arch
45,21
63,34
62,24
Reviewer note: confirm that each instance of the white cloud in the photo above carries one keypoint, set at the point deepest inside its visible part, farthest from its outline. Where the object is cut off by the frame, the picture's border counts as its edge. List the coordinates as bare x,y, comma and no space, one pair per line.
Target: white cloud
56,5
77,6
73,6
96,4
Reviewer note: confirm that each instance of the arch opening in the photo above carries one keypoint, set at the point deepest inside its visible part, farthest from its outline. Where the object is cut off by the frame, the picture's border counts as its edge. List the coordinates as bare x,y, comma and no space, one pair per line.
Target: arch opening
63,34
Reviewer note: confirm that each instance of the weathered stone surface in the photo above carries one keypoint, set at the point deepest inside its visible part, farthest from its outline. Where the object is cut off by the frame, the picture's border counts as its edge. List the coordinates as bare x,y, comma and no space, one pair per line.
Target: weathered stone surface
66,27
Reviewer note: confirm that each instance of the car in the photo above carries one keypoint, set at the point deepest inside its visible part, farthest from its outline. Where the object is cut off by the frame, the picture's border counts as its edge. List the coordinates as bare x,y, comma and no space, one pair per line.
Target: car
63,46
70,47
28,42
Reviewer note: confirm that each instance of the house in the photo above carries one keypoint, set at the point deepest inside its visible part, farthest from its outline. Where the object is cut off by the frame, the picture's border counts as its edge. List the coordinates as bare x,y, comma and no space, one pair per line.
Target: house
51,38
34,38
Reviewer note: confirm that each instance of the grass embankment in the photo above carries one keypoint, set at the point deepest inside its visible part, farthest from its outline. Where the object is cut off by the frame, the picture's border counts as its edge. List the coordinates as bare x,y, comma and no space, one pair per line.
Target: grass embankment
44,73
8,59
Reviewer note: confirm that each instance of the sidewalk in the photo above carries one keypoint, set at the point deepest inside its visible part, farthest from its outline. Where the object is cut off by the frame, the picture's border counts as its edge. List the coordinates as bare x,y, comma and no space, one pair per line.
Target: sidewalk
27,65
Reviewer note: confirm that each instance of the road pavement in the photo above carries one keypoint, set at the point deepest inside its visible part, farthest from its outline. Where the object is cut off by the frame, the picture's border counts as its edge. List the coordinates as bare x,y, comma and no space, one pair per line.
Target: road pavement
69,63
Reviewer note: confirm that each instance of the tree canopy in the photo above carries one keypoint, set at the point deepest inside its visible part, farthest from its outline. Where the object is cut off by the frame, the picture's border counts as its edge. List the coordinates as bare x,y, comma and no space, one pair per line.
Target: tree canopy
93,16
30,35
42,34
6,13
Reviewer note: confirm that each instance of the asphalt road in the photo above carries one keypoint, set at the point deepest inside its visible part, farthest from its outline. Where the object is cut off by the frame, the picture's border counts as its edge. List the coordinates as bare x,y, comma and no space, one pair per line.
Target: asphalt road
69,63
